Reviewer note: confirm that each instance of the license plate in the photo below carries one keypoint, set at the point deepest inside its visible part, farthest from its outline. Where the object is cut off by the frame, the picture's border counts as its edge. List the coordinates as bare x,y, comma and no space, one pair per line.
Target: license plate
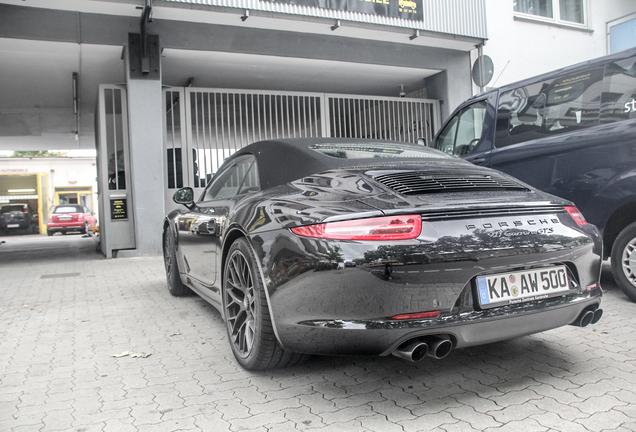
64,218
522,286
13,226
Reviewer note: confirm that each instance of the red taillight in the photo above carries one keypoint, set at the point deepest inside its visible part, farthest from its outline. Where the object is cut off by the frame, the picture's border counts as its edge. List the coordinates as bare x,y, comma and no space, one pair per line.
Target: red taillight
576,215
419,315
402,227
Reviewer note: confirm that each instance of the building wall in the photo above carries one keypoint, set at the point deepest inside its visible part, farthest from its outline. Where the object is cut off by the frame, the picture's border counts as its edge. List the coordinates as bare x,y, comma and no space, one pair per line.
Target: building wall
521,49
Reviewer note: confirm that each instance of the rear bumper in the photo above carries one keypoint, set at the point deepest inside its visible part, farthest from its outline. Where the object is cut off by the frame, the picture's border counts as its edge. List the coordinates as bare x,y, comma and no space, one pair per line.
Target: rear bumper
59,227
382,337
5,226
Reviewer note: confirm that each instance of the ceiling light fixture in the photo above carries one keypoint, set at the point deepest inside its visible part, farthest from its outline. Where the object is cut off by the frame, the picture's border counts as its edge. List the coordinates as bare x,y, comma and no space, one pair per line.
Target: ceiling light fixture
20,190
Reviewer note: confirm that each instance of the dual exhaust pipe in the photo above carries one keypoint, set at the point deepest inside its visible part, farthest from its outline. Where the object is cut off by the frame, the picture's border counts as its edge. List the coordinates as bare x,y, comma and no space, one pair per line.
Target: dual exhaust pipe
437,347
588,316
415,350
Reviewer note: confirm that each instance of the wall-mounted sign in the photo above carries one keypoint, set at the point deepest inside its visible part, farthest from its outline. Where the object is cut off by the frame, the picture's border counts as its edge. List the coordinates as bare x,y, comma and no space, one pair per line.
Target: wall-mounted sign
13,170
408,9
118,209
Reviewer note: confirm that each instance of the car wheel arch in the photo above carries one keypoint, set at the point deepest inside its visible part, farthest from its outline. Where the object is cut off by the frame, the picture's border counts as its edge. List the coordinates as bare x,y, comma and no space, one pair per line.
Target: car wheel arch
620,218
234,234
169,228
621,261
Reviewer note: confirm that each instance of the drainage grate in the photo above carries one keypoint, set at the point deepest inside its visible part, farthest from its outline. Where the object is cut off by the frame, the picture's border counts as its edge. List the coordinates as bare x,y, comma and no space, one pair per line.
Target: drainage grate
60,275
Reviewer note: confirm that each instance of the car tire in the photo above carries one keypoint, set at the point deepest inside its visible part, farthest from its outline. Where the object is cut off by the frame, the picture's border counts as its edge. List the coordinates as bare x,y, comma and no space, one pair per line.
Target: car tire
176,287
248,321
49,232
624,261
85,228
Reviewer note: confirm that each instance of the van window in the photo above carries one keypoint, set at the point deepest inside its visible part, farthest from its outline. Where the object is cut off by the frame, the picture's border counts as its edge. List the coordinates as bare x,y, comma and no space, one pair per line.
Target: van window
619,91
463,131
559,105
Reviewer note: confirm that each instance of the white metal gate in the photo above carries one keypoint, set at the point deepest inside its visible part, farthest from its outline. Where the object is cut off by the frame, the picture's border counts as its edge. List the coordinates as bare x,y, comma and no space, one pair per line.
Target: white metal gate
205,126
397,119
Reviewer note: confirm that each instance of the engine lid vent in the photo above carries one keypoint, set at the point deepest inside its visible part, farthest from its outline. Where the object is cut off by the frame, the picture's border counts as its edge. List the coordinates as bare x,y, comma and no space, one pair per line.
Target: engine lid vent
420,183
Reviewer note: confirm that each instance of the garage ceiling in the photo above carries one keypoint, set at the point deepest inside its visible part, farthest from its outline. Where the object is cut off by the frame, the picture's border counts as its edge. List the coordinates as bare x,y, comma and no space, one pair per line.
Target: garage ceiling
36,91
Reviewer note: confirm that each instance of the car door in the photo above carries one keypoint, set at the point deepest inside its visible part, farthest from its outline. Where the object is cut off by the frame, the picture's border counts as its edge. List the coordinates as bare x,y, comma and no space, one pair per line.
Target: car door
201,230
469,131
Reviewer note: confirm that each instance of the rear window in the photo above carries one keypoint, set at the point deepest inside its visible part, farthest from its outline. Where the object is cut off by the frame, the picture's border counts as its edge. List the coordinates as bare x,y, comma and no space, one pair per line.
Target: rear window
12,209
68,209
380,150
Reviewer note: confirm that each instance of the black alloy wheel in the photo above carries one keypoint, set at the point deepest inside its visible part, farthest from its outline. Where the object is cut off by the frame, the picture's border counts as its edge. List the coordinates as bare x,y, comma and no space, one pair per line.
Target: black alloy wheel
248,322
176,287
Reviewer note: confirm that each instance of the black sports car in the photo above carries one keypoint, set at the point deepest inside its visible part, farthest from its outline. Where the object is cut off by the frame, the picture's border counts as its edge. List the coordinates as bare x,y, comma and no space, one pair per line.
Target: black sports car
342,246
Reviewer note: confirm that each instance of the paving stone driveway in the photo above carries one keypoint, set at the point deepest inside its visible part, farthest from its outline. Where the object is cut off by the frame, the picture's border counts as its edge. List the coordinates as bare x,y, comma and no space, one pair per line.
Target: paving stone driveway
65,313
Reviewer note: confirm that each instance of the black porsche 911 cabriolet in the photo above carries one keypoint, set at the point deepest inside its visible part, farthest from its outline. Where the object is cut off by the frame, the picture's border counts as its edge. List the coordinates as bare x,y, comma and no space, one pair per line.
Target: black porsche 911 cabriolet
344,246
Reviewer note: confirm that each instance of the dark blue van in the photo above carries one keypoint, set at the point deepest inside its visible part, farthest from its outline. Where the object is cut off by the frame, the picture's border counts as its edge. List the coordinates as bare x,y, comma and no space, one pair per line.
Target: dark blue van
572,133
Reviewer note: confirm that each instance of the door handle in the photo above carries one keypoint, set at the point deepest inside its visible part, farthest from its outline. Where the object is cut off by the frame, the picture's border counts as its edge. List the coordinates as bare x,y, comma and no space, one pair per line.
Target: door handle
478,161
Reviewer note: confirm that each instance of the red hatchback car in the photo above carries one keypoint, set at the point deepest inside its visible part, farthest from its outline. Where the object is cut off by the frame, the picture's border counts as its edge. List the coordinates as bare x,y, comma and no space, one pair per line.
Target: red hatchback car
70,217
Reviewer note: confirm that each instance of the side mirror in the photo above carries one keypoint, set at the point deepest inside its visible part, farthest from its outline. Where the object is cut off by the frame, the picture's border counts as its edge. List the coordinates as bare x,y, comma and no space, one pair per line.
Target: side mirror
184,196
421,141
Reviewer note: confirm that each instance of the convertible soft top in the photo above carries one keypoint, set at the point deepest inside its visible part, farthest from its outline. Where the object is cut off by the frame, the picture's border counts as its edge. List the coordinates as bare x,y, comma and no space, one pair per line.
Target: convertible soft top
282,161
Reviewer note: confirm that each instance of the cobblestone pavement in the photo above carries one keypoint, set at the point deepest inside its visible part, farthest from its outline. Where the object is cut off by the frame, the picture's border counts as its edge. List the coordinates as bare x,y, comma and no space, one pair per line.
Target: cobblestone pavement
65,312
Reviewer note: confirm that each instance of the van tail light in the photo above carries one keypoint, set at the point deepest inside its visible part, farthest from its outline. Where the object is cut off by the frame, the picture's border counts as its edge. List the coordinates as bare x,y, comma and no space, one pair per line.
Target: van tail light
403,227
576,215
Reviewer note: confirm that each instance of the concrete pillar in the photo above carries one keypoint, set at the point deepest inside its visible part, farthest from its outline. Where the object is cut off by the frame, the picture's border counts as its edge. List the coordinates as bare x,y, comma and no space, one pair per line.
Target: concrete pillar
145,130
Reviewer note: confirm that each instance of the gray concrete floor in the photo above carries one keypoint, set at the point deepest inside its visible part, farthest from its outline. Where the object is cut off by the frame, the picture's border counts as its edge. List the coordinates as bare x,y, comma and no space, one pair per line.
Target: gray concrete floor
67,315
